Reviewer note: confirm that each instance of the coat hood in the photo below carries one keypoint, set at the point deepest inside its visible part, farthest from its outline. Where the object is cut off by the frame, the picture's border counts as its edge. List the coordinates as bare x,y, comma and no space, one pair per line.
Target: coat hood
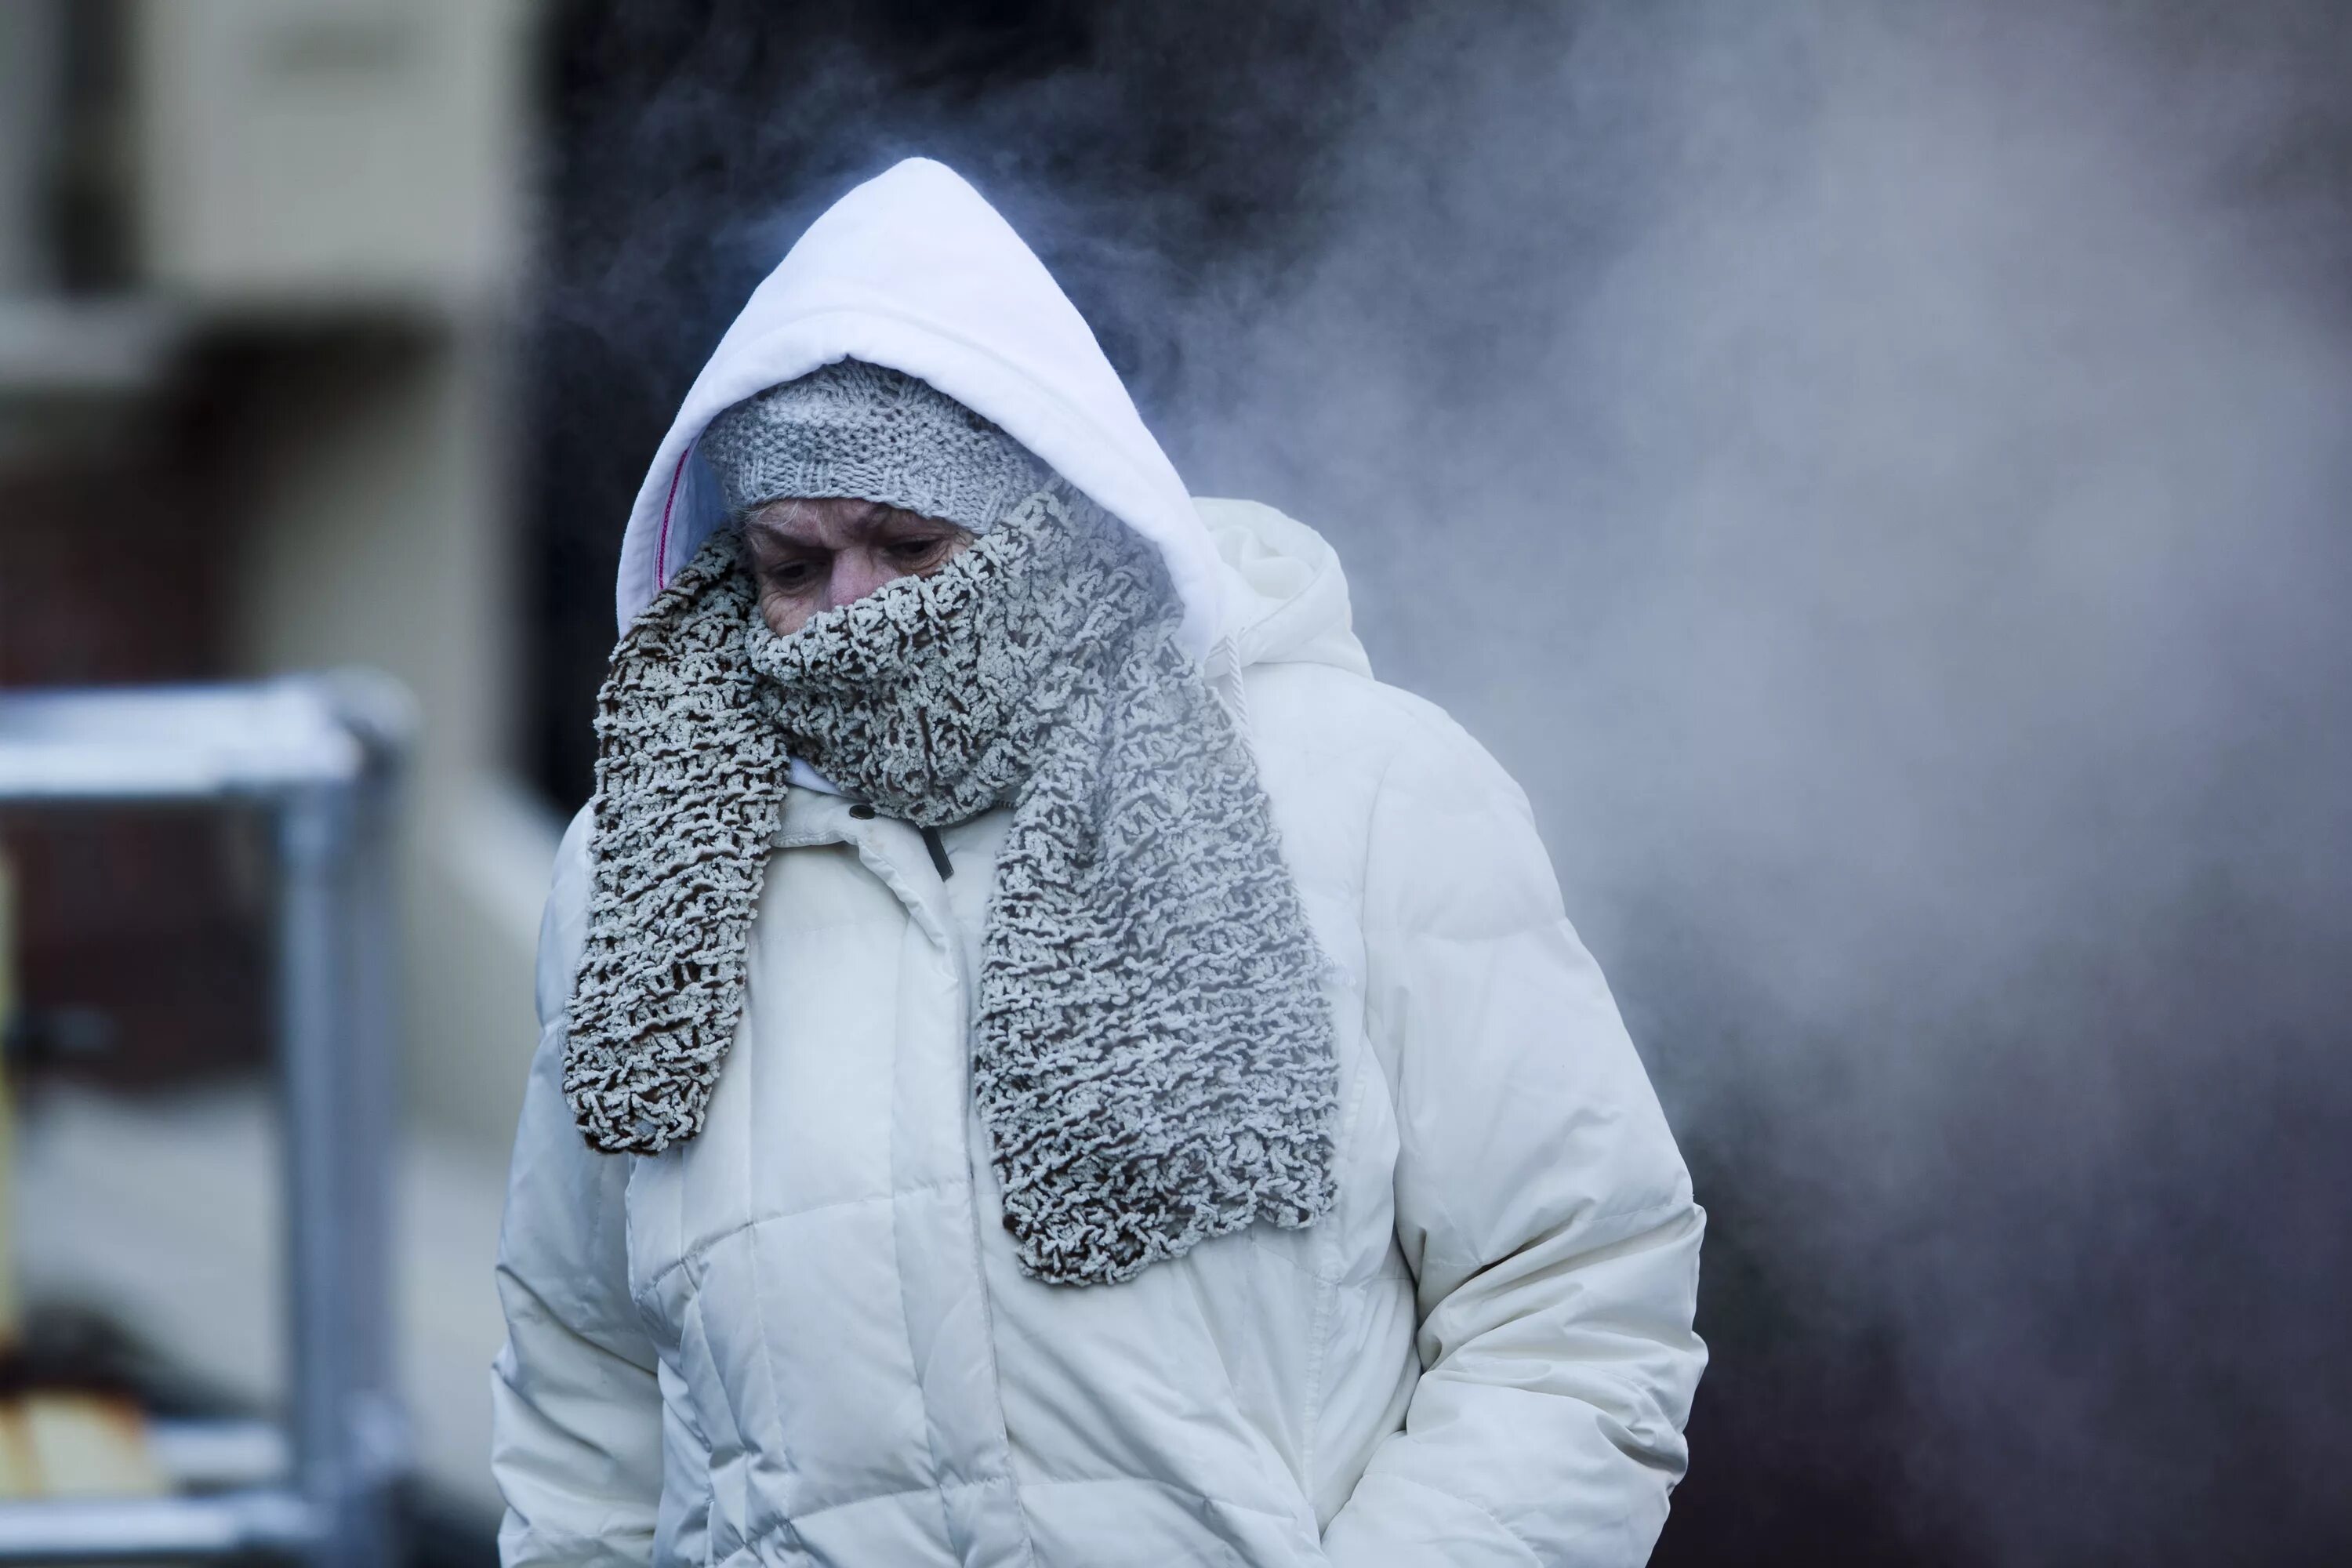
914,271
1285,598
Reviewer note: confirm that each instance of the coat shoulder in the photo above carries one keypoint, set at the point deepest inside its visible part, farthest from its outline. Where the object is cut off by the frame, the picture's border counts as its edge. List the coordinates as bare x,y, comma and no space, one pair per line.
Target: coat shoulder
1390,813
1351,725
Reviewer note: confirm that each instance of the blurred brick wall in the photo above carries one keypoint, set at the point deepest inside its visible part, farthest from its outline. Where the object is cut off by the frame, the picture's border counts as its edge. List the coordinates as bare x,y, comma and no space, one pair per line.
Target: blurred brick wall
143,955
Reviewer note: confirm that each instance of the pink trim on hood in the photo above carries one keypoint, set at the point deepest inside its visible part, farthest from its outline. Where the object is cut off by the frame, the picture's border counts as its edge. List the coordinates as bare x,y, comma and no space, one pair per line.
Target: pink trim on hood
661,550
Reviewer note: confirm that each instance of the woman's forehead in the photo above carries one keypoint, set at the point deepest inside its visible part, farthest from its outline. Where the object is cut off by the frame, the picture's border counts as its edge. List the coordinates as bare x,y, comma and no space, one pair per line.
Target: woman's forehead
835,520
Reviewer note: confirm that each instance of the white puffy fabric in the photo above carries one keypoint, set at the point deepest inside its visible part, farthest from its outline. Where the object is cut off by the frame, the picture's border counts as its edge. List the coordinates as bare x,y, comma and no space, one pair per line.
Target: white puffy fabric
804,1337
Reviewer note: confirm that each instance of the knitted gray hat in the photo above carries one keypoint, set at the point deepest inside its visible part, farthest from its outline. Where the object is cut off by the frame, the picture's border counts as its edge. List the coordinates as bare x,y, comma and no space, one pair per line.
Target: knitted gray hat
860,430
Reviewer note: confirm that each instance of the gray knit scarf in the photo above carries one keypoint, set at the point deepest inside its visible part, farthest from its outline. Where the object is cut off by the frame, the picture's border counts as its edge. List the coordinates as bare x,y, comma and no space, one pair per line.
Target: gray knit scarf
1152,1057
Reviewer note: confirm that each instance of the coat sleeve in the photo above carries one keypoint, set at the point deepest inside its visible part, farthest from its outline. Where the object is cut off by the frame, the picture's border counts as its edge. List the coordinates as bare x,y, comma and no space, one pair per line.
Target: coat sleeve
1540,1201
576,1424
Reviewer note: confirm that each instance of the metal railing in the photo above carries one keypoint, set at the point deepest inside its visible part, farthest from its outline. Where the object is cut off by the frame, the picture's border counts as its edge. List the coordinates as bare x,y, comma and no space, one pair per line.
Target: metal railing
320,755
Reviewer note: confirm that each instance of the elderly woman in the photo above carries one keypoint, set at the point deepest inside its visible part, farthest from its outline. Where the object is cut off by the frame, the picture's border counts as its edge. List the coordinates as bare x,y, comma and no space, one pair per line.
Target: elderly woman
1045,1061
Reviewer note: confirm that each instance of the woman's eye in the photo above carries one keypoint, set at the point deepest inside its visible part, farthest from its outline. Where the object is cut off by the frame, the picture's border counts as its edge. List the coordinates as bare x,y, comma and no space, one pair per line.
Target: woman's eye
791,575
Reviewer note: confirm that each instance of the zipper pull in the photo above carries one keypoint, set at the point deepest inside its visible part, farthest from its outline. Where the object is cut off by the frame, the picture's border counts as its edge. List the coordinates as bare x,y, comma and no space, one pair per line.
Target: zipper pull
940,861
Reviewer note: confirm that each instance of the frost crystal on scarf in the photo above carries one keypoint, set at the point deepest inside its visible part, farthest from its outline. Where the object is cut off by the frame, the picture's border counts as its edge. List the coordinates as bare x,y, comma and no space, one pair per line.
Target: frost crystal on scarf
688,796
1152,1060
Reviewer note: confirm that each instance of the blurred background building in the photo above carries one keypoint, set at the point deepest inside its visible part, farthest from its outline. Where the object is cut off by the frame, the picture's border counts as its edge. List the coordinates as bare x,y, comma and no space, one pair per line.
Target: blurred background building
258,273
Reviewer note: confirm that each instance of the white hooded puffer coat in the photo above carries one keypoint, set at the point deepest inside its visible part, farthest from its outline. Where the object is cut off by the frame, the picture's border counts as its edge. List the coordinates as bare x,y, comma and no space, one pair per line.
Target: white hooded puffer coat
801,1338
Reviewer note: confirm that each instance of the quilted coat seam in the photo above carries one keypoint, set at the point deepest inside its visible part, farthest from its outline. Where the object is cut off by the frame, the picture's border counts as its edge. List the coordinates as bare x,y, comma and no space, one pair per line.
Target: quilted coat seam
1550,921
914,1362
1314,1276
1509,1534
579,1546
932,1488
1390,1064
760,1291
969,984
1663,1209
700,1248
1327,1297
1372,840
716,1457
1285,1516
689,1415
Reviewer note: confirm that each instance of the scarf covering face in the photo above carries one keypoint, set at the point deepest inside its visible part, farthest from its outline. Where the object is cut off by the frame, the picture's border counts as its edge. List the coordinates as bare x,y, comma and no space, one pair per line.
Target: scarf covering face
1152,1056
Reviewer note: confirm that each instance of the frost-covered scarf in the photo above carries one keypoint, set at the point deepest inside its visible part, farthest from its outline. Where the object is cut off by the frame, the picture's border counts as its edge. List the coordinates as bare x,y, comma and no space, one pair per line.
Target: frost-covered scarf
1153,1059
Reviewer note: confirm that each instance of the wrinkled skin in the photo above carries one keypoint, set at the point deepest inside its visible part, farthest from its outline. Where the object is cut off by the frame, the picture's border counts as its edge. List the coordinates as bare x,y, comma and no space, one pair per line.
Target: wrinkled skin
811,555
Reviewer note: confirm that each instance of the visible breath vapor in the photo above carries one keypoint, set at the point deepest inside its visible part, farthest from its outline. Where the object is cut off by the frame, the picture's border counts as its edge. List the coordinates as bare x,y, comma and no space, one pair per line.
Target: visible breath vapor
1878,477
1880,481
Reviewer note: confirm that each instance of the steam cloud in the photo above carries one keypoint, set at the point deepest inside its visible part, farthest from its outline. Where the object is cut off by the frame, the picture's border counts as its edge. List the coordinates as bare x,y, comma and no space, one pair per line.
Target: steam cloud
1880,481
1878,477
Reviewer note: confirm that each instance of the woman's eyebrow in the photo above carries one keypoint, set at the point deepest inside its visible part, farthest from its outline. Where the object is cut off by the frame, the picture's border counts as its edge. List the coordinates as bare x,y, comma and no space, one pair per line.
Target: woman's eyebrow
776,533
887,527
